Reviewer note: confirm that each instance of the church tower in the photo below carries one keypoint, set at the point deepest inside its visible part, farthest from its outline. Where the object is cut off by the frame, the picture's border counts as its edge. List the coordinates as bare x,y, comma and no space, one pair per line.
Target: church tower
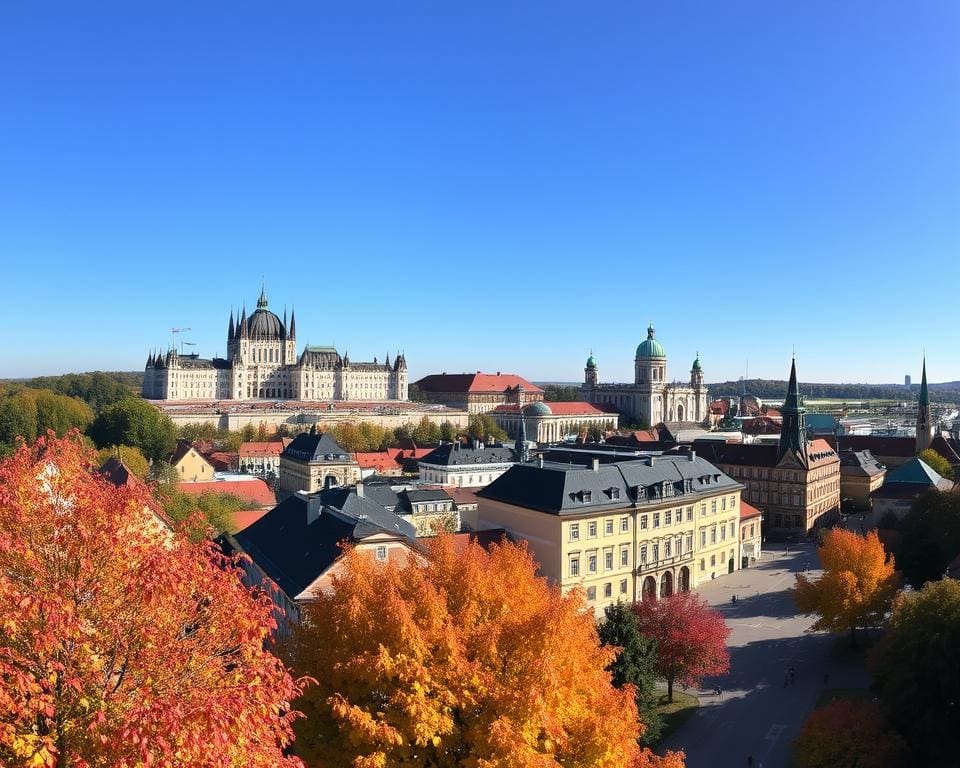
590,373
924,436
793,432
699,393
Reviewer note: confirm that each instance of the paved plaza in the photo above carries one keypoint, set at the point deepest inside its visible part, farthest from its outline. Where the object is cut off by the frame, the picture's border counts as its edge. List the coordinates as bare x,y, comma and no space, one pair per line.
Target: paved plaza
757,714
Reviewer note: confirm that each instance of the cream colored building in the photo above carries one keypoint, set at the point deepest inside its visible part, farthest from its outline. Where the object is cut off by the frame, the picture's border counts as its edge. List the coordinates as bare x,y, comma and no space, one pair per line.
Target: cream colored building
551,422
262,363
466,466
628,530
190,464
313,461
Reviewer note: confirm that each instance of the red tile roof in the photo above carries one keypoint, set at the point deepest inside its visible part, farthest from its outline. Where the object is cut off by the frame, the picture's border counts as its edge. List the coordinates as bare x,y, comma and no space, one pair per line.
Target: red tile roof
572,408
254,490
381,461
273,448
747,510
223,461
244,518
475,382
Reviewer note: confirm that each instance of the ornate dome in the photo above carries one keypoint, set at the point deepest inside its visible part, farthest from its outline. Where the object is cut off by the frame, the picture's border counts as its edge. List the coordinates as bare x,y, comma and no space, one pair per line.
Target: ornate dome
591,362
263,324
538,408
696,363
651,348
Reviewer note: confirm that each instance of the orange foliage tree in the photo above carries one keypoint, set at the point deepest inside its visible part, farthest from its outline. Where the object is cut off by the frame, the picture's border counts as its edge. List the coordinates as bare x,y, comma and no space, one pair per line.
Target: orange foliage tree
848,734
857,587
119,646
463,659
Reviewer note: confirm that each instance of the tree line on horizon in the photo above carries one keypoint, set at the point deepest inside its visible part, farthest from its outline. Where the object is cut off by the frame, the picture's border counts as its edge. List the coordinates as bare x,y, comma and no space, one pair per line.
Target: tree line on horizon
947,392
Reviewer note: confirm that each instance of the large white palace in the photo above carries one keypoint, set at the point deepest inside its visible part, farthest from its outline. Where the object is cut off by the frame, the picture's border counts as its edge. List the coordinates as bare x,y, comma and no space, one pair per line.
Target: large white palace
262,364
650,398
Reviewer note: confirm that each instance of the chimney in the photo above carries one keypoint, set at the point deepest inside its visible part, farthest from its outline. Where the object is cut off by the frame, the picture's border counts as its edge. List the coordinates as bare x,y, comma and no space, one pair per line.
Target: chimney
360,490
693,455
314,505
595,464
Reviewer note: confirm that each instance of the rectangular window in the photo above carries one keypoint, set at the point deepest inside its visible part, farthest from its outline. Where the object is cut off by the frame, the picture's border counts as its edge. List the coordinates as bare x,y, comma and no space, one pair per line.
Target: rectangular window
614,493
689,514
591,594
703,537
643,554
723,533
666,548
656,519
381,553
608,560
608,527
592,562
733,501
668,517
624,524
574,566
574,531
713,506
723,503
624,557
587,496
608,590
703,509
733,530
656,552
623,586
713,535
690,542
592,530
713,560
643,522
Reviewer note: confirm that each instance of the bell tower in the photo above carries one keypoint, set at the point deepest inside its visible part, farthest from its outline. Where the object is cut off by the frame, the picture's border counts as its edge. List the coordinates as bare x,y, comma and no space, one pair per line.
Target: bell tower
591,373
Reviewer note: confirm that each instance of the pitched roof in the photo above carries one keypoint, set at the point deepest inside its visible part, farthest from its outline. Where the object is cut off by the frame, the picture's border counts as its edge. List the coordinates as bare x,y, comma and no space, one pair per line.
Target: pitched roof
565,489
115,471
748,511
254,490
381,461
294,550
183,448
879,445
272,448
860,463
315,446
417,496
915,472
455,454
474,383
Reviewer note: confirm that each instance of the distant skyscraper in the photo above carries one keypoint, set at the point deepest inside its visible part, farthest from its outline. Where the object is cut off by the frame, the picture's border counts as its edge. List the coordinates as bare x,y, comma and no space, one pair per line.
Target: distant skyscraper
907,381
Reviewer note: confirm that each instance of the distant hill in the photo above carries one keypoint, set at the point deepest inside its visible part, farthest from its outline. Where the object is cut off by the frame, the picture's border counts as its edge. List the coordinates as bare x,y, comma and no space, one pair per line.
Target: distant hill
776,389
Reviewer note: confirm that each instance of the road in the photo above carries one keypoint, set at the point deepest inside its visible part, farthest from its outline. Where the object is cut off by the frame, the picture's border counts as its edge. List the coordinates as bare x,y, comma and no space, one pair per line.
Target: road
757,714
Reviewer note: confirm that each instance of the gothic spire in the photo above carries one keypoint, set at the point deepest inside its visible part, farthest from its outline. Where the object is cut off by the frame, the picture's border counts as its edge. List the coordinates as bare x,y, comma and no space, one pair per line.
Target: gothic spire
793,432
230,327
293,322
243,324
262,301
924,436
924,395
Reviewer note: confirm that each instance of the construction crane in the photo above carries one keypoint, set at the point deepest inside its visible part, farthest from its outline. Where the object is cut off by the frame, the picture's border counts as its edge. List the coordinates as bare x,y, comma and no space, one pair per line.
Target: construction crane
173,334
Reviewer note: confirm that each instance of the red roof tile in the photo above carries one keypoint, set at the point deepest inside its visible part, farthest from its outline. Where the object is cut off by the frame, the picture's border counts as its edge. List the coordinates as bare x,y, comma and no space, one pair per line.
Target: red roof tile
273,448
255,490
747,510
474,382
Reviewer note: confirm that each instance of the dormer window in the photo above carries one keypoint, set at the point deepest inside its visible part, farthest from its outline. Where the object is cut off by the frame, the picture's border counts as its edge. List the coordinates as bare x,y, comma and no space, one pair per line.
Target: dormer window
614,493
586,496
641,492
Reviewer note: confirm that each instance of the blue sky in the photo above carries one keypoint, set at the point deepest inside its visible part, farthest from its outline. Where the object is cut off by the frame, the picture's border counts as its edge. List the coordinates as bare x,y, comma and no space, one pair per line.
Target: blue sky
496,186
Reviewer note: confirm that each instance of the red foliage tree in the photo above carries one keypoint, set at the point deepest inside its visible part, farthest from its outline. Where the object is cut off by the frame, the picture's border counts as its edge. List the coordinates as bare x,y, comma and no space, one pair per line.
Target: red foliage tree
691,638
848,734
119,646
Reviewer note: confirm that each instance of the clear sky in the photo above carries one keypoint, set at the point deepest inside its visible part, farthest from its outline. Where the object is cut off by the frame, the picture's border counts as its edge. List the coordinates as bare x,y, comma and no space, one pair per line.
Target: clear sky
496,186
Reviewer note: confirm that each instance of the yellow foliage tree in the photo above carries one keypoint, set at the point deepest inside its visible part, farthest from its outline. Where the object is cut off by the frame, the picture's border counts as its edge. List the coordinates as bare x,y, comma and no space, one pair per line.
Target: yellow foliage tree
858,584
464,659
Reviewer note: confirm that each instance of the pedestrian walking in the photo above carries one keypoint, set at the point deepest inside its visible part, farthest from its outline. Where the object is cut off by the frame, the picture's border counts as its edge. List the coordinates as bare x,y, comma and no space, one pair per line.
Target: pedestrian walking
719,693
793,674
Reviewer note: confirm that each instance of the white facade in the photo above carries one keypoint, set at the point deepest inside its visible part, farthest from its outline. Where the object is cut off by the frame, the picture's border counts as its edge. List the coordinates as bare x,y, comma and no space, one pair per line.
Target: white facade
463,476
262,364
650,398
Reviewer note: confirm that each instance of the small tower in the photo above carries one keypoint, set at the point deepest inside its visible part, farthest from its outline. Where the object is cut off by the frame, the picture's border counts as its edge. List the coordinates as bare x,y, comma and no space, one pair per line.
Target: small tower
696,374
793,432
520,447
924,434
590,372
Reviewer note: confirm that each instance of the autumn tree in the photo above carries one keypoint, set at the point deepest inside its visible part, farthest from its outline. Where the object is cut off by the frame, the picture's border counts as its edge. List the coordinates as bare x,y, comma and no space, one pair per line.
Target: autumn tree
915,671
120,647
426,432
857,585
130,455
481,426
937,463
448,432
849,734
635,664
134,421
691,638
462,658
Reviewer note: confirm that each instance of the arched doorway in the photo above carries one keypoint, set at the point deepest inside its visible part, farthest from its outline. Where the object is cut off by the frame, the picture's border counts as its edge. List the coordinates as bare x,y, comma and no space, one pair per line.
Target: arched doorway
666,584
683,580
649,589
730,565
679,413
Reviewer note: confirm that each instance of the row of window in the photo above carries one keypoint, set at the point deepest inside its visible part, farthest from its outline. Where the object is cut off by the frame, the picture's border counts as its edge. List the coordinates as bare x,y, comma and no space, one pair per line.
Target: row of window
607,590
592,527
646,553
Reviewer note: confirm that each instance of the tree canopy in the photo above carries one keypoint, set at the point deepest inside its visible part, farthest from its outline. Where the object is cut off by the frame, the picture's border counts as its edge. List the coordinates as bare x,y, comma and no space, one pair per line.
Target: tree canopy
120,647
672,622
916,674
481,426
134,421
857,586
462,658
27,413
929,536
937,463
635,664
849,734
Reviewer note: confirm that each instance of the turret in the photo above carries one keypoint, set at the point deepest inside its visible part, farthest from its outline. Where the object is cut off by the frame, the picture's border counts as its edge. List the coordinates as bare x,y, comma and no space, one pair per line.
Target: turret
590,372
793,431
696,373
243,323
230,330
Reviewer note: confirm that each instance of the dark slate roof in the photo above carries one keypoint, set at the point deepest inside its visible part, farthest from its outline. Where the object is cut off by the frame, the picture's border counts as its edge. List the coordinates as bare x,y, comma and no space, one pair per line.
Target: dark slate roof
380,492
861,463
294,553
313,446
561,489
455,454
418,496
745,454
878,445
183,448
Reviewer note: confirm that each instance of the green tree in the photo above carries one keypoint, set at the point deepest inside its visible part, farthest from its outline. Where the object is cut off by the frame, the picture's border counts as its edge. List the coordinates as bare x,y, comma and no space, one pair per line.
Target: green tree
916,674
130,455
559,393
248,434
218,509
929,536
135,422
635,664
61,413
448,432
18,418
482,427
426,432
937,463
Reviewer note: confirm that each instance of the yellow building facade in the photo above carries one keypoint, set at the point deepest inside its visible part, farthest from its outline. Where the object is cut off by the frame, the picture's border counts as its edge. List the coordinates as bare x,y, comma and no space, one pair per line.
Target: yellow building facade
630,530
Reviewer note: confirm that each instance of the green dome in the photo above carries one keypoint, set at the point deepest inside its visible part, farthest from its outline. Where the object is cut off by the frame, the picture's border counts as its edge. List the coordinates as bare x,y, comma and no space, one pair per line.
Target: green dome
539,408
591,362
696,363
651,347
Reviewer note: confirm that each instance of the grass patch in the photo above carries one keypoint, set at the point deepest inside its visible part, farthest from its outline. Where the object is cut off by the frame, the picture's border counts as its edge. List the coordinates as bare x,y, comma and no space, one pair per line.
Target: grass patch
676,713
